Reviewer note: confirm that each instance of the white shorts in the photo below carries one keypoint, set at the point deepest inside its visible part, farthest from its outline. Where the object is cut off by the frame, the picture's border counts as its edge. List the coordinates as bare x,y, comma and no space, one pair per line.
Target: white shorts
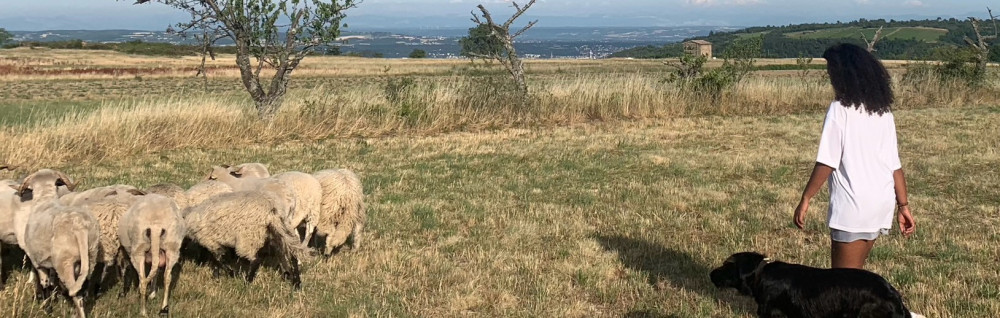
847,237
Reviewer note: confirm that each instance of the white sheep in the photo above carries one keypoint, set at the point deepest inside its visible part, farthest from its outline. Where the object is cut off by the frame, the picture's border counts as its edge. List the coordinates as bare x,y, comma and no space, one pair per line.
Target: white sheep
152,232
59,238
246,221
343,208
308,194
108,211
280,192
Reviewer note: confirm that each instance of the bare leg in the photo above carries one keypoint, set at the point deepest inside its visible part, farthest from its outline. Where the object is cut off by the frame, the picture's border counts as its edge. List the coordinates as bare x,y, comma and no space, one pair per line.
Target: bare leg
850,255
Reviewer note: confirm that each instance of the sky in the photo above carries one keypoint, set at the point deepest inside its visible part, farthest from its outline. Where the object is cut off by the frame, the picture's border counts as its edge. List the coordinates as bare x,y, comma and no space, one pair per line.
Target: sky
28,15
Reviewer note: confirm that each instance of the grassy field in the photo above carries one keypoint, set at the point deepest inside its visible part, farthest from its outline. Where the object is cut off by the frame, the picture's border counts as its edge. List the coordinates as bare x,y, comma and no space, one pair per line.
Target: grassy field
917,33
614,196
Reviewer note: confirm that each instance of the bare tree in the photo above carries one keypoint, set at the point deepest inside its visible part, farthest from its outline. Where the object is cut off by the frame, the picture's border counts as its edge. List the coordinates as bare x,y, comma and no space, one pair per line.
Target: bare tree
506,54
875,38
981,45
277,34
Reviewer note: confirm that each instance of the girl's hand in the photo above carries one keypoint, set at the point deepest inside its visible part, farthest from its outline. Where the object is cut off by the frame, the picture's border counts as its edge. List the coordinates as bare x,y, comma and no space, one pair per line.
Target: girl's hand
800,213
906,224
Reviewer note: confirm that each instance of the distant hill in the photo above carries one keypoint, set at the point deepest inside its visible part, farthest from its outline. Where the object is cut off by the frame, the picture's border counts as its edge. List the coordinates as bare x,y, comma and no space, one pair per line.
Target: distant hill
914,39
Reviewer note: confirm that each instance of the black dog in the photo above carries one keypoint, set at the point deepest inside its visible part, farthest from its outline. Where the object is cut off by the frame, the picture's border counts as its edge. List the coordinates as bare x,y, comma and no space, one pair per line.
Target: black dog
791,290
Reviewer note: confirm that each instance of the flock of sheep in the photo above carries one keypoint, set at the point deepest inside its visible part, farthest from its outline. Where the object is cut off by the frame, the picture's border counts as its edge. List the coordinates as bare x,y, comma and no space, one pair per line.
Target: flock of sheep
66,234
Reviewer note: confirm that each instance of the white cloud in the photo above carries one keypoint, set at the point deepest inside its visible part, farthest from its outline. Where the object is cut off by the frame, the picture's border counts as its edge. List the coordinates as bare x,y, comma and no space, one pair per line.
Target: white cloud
862,1
701,2
745,2
914,3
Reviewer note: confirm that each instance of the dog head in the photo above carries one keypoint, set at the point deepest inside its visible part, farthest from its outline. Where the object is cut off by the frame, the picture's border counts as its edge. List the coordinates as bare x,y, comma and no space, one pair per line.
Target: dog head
739,271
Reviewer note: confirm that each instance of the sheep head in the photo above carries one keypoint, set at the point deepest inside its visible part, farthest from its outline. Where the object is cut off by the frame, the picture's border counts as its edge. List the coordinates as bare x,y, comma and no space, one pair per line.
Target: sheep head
218,172
43,179
256,170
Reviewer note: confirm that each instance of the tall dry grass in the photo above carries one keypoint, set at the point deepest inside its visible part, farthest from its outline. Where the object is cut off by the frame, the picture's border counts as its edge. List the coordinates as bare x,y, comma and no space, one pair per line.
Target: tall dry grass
423,106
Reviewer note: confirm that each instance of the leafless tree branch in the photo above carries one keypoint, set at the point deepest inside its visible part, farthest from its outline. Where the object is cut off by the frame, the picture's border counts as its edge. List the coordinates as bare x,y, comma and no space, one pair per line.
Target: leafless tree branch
875,38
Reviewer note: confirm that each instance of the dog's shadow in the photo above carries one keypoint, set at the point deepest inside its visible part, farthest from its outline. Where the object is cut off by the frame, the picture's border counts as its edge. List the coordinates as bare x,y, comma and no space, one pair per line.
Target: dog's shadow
664,265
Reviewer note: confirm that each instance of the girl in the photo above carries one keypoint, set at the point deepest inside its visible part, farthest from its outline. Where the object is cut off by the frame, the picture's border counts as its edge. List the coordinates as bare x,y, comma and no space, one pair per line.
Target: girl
858,155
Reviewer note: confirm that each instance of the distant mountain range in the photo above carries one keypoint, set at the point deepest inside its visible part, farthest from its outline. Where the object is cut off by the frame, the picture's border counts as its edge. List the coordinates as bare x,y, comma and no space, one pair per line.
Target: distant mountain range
563,42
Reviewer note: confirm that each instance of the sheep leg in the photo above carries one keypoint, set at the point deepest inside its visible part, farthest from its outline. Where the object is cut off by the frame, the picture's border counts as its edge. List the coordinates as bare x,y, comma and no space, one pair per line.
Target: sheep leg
124,278
42,290
95,283
294,274
78,302
356,235
254,266
217,256
168,275
310,229
336,239
139,262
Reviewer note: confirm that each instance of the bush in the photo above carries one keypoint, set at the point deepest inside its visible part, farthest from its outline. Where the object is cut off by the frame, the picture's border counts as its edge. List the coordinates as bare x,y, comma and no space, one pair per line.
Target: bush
418,54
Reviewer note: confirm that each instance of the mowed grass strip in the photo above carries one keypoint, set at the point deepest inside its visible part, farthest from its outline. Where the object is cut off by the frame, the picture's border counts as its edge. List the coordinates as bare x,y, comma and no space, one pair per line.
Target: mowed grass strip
605,220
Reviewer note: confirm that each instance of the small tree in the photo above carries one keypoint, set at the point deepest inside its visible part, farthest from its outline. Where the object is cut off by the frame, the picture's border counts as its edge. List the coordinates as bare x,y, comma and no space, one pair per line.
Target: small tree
418,54
489,40
277,34
981,45
5,36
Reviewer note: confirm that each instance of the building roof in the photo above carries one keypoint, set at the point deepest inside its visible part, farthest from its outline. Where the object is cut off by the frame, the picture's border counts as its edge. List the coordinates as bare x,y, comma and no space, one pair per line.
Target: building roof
700,42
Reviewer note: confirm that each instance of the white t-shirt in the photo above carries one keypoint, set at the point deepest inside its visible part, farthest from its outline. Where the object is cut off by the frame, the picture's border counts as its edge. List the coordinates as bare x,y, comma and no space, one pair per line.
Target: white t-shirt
862,150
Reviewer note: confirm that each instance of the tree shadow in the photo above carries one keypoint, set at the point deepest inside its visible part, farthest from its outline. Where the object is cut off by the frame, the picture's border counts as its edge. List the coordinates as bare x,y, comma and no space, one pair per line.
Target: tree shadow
671,266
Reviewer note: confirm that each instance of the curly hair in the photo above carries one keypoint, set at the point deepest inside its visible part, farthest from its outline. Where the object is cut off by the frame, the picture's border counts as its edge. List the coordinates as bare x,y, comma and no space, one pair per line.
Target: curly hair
858,78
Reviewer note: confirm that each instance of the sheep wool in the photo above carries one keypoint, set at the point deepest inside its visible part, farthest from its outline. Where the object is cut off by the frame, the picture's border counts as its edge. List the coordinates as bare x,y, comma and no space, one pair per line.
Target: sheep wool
151,231
343,208
246,221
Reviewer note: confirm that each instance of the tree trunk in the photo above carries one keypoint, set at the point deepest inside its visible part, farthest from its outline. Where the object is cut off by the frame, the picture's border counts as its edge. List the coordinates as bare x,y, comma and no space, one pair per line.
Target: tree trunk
268,106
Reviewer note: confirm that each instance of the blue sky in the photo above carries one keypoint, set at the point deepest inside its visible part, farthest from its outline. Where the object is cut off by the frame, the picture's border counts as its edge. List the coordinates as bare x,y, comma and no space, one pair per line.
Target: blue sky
107,14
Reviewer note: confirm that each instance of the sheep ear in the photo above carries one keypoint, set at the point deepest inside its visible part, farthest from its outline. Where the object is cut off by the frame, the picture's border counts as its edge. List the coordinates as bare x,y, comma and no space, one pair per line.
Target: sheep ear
136,192
8,168
225,166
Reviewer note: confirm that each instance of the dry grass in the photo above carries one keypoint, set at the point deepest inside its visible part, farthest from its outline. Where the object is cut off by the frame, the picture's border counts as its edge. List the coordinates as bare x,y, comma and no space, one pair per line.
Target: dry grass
591,220
613,194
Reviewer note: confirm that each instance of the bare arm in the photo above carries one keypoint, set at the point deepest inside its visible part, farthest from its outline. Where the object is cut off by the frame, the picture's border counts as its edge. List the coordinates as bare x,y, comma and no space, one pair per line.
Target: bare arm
900,181
819,175
906,224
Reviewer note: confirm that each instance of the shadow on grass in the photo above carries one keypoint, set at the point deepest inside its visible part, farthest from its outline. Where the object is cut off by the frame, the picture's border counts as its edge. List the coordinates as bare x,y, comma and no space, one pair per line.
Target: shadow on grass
667,265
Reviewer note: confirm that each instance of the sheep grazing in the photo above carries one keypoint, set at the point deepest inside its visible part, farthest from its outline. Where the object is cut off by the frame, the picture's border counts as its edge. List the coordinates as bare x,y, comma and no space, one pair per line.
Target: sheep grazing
308,194
343,208
246,221
108,211
59,238
280,192
151,232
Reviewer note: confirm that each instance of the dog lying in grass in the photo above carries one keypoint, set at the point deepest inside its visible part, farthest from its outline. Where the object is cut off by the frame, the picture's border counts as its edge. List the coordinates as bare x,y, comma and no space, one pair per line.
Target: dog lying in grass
791,290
